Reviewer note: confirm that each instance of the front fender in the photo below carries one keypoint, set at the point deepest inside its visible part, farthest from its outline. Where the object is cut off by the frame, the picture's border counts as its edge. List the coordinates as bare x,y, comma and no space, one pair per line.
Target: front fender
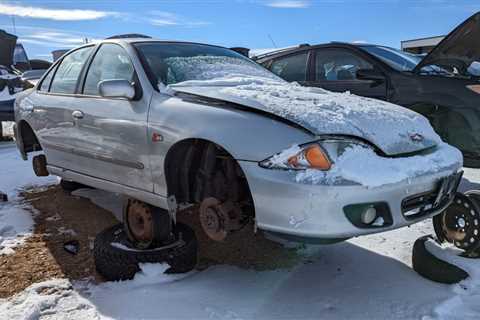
245,135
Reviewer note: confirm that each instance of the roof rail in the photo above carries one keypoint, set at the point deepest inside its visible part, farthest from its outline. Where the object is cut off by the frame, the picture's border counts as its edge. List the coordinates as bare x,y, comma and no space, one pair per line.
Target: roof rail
129,35
263,55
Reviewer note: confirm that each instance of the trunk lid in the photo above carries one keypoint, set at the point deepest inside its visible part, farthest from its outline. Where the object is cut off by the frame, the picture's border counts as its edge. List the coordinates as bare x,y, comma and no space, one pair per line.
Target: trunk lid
393,129
459,49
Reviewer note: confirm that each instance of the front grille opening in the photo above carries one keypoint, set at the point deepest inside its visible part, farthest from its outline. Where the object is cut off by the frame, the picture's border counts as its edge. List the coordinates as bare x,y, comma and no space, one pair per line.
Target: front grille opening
419,205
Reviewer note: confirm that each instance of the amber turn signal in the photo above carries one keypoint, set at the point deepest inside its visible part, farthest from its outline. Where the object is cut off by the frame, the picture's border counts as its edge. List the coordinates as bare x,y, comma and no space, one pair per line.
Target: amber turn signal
312,157
317,158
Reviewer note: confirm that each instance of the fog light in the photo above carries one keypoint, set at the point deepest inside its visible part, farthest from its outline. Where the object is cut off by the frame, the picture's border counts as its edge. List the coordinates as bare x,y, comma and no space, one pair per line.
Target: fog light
369,215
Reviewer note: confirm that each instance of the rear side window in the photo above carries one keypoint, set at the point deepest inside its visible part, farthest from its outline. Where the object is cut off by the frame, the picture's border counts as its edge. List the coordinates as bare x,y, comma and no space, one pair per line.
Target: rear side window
66,76
111,62
291,68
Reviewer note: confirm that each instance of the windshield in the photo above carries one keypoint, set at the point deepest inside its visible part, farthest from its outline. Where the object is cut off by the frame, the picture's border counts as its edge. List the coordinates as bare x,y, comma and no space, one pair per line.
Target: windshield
197,64
399,60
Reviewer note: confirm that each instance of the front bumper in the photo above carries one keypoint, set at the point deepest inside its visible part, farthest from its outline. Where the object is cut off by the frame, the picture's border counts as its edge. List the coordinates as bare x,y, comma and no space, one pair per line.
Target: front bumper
307,211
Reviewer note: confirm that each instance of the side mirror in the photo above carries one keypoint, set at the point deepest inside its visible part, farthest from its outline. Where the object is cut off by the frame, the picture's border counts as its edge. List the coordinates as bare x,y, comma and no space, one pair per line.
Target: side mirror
117,89
370,74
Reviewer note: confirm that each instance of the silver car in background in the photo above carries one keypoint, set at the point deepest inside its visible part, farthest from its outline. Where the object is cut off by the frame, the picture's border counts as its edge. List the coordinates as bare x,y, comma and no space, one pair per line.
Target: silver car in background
176,124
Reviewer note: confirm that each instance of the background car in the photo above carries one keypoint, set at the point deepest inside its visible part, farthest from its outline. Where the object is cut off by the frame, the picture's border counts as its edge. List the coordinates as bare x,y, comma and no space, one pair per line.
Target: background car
443,85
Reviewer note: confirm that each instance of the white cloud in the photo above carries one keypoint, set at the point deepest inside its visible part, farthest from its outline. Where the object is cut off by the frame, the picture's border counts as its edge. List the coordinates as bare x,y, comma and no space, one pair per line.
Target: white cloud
168,19
53,14
288,4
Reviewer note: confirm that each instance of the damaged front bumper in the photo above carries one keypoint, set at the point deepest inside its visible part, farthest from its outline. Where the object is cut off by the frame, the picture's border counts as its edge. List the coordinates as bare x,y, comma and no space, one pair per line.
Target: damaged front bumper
330,213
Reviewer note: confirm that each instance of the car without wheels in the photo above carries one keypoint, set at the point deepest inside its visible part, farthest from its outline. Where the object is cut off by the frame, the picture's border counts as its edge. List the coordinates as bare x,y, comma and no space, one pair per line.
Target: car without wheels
443,85
176,124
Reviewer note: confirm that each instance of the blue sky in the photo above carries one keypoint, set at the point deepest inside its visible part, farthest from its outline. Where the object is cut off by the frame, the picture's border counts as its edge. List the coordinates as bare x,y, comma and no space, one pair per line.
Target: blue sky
43,26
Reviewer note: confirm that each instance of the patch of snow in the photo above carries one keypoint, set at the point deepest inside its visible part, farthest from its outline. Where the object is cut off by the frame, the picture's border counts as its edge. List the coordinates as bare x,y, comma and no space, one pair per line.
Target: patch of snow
7,128
16,222
54,299
378,222
464,304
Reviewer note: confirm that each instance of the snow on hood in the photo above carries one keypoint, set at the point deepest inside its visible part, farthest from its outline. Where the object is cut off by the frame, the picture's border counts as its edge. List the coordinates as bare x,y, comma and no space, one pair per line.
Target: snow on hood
393,129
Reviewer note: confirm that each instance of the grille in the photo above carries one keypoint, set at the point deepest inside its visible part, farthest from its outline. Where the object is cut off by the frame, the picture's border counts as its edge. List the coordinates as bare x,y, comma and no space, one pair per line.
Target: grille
419,205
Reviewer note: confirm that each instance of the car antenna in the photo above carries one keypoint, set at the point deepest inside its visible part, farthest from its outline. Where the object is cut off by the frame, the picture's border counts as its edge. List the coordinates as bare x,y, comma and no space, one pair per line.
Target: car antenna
271,39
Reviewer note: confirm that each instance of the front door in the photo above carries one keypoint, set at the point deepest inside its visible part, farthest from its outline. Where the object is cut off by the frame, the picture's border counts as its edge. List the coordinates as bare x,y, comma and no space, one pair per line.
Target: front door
113,131
335,70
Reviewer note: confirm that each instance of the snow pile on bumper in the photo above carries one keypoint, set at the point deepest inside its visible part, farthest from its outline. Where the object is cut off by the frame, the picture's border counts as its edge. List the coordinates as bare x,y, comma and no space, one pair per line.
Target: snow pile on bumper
360,164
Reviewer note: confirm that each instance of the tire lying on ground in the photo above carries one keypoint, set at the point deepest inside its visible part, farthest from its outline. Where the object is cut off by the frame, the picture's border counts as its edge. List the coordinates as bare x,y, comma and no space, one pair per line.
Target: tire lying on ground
116,259
433,268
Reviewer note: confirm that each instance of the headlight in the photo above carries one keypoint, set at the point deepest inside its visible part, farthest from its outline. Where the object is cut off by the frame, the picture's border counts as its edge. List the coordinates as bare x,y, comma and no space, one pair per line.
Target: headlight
320,155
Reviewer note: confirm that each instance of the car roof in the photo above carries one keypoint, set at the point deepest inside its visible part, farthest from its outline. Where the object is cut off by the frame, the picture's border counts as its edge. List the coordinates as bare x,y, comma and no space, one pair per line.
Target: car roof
302,47
149,39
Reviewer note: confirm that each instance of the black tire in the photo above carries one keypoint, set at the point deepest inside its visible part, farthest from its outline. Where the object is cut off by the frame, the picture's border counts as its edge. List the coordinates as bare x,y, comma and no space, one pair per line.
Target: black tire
71,185
432,268
115,263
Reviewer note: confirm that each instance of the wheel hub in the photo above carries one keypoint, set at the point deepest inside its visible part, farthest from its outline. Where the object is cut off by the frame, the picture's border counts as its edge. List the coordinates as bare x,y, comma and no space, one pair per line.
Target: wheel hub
459,224
140,222
214,219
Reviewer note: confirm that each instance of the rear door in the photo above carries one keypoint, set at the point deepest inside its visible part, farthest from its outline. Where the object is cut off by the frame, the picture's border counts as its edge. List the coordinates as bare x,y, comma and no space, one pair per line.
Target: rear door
53,106
112,141
335,69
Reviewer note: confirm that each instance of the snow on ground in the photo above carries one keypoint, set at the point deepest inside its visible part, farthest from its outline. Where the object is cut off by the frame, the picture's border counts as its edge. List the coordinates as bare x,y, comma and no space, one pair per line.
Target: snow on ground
7,128
364,278
15,217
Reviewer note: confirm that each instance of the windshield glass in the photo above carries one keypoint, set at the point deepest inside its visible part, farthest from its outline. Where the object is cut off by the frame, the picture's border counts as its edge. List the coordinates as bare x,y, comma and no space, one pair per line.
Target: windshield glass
399,60
197,64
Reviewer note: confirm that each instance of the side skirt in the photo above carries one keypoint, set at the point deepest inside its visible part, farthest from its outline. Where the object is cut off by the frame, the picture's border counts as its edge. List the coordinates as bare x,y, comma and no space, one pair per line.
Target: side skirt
148,197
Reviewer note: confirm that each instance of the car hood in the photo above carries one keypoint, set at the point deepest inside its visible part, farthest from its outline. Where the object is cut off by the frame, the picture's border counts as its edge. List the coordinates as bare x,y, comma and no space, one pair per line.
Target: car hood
393,129
457,50
7,47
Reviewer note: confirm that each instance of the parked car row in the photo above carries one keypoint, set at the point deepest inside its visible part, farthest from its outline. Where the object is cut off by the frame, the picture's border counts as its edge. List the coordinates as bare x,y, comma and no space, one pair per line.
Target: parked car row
177,124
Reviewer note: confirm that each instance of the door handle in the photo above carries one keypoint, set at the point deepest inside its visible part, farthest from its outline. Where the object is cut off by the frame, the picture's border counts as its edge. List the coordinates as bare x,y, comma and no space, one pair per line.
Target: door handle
77,114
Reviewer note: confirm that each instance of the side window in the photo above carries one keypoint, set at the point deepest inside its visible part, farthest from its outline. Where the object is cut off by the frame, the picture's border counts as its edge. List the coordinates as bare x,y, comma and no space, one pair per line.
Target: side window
110,63
47,80
66,77
291,68
338,65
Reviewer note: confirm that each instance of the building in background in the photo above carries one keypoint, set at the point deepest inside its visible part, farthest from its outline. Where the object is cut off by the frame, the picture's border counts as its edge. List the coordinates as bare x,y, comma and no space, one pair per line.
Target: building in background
420,46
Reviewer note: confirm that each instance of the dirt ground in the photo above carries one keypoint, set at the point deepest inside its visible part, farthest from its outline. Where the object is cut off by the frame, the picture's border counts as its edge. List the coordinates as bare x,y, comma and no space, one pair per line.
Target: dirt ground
61,217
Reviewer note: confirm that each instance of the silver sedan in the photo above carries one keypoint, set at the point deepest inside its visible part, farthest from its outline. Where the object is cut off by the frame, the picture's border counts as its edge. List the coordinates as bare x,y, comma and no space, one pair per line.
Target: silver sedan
176,124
